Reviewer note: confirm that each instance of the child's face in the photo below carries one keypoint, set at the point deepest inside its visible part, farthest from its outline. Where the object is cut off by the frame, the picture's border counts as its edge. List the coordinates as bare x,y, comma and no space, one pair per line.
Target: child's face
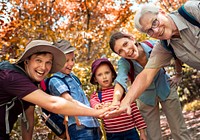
38,66
126,48
69,64
104,76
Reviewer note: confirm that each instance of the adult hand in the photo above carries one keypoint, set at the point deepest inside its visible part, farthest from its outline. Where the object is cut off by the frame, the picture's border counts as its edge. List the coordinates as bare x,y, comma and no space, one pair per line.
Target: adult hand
101,113
102,105
124,108
175,80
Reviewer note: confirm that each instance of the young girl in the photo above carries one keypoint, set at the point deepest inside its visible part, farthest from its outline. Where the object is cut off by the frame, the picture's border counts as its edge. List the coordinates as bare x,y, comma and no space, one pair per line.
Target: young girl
121,127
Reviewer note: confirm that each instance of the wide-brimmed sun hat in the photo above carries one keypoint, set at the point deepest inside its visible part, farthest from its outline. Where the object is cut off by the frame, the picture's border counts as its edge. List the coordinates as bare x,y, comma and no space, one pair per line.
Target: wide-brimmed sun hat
36,46
64,46
96,64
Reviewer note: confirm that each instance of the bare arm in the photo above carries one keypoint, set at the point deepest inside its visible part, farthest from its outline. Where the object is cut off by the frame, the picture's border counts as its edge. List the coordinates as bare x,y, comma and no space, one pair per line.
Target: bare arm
27,134
140,84
118,93
61,106
68,97
177,77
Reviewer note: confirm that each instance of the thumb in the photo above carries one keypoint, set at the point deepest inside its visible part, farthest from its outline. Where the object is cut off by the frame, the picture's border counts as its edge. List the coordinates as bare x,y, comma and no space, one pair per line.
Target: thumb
128,110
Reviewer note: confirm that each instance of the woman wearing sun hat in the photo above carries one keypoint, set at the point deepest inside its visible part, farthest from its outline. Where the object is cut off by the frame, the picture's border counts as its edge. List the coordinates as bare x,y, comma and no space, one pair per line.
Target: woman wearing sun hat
19,88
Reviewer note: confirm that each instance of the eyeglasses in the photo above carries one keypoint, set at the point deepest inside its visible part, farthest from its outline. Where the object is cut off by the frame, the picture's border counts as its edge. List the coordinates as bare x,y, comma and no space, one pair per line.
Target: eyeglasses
154,25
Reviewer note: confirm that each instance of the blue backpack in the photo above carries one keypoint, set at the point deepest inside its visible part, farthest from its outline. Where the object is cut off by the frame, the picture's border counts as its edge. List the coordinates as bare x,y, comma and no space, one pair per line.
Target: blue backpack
54,121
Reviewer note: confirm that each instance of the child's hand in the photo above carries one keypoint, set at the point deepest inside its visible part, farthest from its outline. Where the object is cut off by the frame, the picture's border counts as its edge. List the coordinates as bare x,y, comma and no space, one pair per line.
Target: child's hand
98,106
106,104
143,134
101,113
102,105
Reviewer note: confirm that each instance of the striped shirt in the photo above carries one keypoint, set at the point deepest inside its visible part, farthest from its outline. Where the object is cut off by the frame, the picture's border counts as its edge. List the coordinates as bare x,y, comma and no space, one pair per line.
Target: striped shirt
123,122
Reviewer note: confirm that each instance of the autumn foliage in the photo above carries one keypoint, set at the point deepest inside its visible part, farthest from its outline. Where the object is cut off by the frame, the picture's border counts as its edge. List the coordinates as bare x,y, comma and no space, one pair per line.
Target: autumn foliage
87,24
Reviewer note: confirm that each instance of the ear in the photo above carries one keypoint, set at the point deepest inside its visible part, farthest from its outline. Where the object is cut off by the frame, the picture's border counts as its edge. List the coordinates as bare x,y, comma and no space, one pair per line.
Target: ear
95,80
26,62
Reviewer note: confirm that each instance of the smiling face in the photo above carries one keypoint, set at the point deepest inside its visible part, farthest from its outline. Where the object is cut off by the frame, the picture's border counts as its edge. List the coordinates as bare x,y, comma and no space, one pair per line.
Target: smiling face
70,61
163,29
126,48
104,76
38,66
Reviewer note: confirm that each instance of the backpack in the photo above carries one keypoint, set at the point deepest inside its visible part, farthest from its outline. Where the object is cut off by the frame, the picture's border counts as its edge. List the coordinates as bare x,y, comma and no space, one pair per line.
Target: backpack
54,121
5,65
182,11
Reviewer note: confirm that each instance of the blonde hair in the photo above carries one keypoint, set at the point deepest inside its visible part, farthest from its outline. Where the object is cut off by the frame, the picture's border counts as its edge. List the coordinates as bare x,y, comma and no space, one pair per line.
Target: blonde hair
146,8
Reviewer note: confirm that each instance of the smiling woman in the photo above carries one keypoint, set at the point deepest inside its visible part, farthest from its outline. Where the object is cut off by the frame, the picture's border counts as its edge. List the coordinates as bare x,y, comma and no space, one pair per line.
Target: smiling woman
19,88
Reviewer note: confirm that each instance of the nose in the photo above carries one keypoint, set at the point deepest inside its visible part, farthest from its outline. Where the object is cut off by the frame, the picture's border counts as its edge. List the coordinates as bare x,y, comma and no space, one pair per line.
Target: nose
43,65
155,30
104,76
126,50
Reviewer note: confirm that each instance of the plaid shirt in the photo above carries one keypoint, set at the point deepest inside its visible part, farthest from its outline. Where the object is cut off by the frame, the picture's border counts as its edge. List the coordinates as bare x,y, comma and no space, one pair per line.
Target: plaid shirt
73,87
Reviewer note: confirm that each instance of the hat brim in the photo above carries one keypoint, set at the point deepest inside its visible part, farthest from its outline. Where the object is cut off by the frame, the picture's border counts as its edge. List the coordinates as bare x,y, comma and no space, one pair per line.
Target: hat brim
71,49
58,56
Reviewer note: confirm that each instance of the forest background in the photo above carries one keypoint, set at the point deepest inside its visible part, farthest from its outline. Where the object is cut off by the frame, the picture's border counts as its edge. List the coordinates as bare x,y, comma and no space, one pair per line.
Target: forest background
88,25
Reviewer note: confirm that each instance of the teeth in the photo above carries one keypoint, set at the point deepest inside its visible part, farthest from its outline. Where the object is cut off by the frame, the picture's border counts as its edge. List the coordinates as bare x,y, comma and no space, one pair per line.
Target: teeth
40,73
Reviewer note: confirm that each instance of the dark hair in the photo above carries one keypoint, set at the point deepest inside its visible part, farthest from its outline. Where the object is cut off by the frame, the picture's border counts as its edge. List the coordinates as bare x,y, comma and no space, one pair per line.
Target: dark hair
21,64
116,36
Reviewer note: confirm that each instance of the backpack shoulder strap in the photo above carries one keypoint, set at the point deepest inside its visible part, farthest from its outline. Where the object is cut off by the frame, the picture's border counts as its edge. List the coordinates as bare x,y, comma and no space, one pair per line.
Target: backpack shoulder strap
131,71
168,48
76,78
45,83
5,65
148,43
183,12
100,96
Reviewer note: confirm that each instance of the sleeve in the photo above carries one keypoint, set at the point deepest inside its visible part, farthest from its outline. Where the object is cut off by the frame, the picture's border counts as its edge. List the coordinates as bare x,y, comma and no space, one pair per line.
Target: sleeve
122,75
16,84
139,121
94,100
57,87
160,57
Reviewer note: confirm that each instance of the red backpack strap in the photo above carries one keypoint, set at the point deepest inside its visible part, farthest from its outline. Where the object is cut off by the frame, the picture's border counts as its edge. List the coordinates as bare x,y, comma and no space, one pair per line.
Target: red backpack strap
148,43
43,85
131,71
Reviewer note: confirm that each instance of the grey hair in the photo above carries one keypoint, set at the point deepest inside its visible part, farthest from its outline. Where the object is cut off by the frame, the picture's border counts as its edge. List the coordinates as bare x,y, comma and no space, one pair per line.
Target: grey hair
146,8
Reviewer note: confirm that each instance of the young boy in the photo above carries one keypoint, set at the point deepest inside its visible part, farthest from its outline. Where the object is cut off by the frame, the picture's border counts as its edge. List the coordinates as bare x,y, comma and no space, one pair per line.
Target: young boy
89,127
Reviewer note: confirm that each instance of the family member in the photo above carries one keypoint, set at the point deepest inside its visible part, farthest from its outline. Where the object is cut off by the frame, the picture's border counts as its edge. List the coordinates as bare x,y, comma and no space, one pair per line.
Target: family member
122,127
19,88
71,89
159,92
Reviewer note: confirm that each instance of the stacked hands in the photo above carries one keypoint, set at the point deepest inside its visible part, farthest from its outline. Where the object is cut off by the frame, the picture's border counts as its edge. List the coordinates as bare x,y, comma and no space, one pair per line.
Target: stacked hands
112,109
